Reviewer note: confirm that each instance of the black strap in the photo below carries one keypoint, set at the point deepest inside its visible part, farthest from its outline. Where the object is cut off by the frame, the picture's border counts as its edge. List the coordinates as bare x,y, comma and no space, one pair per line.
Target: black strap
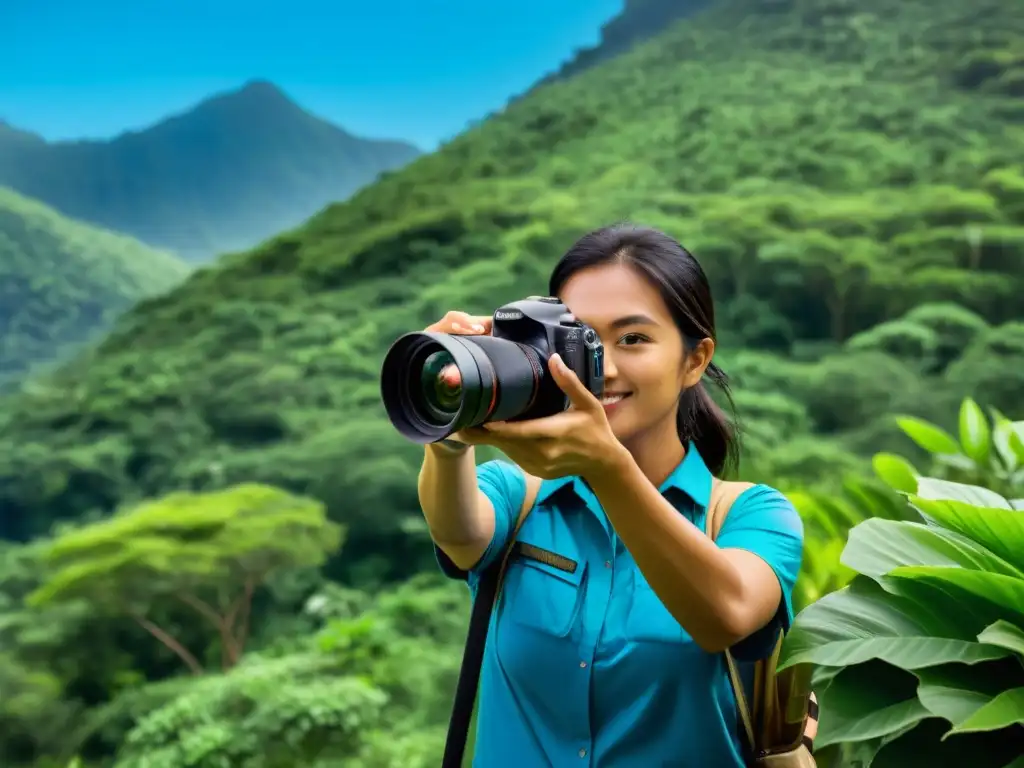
469,672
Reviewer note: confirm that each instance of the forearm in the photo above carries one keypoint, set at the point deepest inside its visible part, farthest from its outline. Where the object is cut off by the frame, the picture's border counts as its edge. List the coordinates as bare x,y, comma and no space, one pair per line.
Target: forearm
450,498
696,580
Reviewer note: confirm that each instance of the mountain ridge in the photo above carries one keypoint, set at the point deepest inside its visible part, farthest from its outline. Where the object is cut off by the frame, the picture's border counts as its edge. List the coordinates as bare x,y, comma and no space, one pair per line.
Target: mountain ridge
64,282
224,174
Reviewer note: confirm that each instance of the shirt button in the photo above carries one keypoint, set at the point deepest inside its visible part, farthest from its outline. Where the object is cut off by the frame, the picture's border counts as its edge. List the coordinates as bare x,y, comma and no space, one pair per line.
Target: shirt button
583,753
607,563
583,664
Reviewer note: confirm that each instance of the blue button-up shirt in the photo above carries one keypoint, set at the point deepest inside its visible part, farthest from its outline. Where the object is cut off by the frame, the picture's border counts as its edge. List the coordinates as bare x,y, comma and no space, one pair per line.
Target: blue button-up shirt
583,665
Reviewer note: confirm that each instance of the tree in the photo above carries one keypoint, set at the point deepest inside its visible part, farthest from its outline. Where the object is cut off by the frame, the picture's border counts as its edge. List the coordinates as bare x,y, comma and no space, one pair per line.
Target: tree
207,551
840,268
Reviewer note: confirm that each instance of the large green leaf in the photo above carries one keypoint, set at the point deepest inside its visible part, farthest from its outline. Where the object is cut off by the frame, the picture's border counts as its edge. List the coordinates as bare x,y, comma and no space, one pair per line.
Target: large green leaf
975,436
866,702
1005,635
932,488
876,547
1004,710
1000,530
930,437
955,691
1004,591
923,747
862,622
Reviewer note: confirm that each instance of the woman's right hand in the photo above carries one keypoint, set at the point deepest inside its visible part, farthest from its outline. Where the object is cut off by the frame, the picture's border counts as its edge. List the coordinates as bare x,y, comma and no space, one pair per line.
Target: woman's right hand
461,324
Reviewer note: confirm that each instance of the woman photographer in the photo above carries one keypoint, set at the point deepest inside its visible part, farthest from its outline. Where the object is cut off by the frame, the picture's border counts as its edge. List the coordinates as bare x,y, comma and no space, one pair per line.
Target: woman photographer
607,650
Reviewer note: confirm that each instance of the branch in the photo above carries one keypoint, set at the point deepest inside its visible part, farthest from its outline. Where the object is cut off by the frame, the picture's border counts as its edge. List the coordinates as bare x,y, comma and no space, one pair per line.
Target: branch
229,653
202,607
179,650
241,611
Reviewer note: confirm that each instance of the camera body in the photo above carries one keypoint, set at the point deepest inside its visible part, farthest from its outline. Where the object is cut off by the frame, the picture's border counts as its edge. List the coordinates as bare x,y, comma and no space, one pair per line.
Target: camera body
545,325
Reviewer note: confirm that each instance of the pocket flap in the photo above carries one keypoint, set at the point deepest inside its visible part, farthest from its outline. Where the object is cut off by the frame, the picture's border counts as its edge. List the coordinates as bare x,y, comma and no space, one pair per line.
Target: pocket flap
558,565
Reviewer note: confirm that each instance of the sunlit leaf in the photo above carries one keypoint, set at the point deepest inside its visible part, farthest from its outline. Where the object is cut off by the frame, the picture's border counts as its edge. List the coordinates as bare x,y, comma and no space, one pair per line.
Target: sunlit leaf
974,431
895,471
1004,591
930,437
1000,530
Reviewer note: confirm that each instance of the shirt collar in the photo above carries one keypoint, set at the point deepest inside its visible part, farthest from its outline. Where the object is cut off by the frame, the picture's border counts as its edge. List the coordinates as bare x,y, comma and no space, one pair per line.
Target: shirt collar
691,476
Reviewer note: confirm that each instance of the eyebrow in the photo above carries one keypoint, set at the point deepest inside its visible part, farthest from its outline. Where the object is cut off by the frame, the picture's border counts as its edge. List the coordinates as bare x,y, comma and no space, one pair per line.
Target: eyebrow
622,322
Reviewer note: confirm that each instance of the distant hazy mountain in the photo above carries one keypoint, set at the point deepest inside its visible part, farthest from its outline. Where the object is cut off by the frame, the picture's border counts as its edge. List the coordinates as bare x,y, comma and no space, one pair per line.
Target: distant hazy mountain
234,170
62,283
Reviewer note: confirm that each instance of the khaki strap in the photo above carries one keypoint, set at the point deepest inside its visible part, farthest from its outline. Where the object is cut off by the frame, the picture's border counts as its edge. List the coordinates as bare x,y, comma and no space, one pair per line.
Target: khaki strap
723,495
532,489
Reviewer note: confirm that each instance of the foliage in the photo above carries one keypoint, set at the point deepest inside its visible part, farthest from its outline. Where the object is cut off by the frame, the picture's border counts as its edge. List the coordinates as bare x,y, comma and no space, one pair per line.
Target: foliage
372,688
765,145
208,551
62,283
849,175
920,659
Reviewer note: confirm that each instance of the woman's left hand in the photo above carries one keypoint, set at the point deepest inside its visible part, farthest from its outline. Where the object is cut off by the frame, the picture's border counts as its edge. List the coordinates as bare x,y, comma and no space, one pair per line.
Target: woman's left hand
578,441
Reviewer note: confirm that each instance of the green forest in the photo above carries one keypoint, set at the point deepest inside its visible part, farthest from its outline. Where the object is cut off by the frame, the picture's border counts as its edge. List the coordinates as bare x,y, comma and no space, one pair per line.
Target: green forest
63,283
215,555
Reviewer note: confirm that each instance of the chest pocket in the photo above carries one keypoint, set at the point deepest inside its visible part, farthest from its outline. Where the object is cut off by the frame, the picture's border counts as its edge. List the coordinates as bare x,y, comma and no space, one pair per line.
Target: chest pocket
543,586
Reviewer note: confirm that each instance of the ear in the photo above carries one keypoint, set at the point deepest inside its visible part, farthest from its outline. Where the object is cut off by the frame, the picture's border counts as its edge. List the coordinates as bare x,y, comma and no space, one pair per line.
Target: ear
696,361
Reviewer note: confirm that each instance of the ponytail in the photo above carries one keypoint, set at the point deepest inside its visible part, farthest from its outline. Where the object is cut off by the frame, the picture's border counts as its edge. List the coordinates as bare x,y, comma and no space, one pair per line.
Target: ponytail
701,420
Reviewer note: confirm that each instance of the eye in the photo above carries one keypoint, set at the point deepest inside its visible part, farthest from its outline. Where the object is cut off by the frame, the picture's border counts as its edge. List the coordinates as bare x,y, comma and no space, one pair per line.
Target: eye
632,339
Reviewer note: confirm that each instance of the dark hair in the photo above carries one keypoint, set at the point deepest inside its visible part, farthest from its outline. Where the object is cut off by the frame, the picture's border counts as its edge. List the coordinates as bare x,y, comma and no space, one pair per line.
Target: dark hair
684,287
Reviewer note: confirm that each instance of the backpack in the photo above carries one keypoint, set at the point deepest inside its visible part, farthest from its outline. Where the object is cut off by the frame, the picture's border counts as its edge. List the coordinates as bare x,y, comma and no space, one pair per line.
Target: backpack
775,734
778,731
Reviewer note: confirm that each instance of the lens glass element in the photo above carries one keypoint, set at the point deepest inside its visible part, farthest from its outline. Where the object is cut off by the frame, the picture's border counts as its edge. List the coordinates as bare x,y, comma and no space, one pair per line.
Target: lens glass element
441,383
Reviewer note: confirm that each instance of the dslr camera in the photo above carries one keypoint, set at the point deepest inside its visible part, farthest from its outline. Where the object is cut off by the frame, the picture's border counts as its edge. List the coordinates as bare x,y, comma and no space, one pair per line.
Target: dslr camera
435,384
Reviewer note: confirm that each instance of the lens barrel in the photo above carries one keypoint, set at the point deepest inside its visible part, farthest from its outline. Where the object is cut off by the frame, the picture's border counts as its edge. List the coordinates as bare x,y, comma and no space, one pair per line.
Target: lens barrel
434,384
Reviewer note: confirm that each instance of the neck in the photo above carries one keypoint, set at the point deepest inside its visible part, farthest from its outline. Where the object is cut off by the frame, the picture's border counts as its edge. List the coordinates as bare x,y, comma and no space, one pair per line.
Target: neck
657,452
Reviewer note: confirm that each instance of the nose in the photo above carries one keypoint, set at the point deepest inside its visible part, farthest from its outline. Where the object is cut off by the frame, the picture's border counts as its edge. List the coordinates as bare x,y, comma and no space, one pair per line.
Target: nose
610,371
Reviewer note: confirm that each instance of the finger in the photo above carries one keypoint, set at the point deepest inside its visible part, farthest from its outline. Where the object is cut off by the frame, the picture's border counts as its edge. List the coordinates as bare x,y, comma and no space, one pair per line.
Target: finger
534,429
472,436
581,398
461,323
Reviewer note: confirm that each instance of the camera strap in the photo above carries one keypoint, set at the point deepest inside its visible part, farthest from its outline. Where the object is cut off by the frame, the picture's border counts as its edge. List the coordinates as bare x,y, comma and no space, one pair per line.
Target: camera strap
488,590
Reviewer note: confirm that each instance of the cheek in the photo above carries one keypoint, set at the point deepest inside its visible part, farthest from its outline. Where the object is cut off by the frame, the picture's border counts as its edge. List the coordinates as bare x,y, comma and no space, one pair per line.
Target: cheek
656,380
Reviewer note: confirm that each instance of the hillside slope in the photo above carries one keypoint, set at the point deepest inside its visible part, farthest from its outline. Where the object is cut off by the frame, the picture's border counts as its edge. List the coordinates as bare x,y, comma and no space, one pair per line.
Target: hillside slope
237,168
62,283
856,201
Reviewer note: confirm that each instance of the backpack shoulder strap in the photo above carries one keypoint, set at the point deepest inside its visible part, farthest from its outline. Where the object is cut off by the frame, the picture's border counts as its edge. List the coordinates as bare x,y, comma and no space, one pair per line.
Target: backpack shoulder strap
488,590
723,496
529,499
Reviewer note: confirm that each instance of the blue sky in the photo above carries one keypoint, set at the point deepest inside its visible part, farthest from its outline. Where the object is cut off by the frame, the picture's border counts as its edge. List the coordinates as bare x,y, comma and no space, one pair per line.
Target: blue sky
411,69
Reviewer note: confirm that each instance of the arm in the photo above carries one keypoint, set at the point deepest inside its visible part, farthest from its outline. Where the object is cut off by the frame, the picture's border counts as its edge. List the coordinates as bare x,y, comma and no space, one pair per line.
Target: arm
470,510
459,515
720,593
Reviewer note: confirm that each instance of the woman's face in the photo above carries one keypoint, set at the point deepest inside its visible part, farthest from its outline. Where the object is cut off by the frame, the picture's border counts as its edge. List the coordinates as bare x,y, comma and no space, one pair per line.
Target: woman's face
645,365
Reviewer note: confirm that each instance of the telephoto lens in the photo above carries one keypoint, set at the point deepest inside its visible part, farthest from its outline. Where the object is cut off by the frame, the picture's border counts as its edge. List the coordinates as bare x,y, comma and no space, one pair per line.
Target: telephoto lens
435,384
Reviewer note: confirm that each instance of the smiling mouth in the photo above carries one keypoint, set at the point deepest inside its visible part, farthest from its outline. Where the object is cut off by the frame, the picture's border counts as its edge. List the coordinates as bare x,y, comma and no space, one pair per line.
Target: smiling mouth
613,399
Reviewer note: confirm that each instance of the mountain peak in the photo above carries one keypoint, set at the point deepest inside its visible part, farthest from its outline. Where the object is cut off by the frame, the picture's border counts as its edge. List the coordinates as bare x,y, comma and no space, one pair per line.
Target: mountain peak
252,95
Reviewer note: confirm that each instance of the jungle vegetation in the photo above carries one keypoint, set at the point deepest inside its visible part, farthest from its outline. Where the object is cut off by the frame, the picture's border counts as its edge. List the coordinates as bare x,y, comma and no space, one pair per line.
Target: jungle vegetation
850,175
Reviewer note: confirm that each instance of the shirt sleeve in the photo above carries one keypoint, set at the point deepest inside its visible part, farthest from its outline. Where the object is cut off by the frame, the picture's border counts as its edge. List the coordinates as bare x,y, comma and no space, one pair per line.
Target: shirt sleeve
504,484
763,521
